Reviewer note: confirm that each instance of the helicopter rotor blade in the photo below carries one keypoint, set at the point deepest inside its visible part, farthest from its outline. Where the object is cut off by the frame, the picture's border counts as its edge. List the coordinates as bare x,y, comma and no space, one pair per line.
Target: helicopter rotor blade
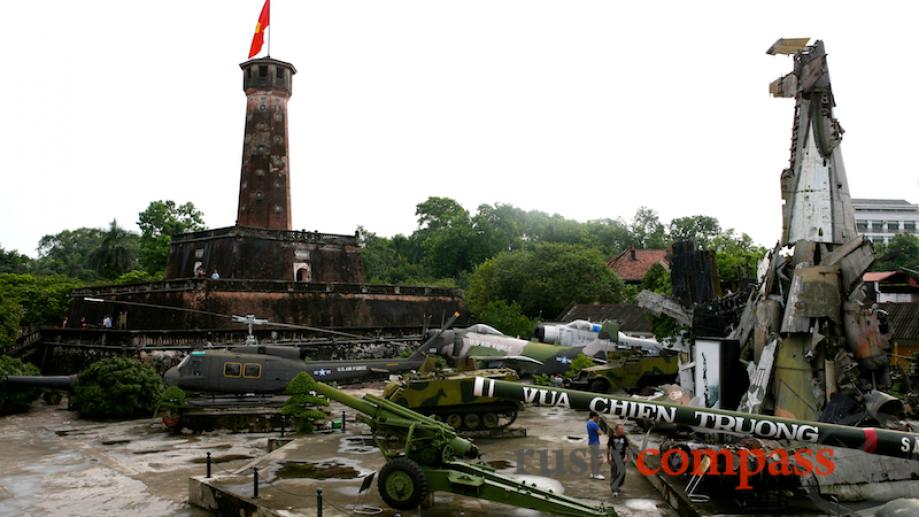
225,316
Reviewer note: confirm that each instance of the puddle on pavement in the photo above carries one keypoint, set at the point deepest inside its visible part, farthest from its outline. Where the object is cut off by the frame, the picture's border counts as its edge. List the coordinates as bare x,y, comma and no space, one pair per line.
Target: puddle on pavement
118,441
150,451
309,470
357,445
222,458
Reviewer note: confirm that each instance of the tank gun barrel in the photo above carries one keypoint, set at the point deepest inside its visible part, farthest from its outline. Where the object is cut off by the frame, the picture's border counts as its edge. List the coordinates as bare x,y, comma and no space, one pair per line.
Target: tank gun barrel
872,440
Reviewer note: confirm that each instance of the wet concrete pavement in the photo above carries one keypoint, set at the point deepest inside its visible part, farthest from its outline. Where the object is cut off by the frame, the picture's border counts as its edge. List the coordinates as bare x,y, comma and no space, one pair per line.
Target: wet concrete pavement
547,457
56,464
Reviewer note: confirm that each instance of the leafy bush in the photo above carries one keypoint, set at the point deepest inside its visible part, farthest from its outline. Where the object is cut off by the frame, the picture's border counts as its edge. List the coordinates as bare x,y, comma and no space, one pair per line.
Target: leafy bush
579,363
303,402
542,379
172,400
117,387
15,399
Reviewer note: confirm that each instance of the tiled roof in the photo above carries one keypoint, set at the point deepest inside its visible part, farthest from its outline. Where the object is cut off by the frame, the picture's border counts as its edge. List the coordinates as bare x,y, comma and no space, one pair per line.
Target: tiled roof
877,276
903,319
631,318
632,264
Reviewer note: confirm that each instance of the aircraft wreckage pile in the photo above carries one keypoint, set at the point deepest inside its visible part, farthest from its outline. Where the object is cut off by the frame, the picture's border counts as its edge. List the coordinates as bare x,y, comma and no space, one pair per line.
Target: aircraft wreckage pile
820,353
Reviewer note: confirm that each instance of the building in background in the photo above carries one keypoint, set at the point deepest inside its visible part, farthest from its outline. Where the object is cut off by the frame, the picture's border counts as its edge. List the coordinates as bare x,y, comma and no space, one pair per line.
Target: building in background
632,264
880,219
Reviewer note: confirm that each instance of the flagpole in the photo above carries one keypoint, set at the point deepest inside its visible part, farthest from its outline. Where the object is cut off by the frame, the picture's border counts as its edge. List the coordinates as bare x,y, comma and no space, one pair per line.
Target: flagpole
269,29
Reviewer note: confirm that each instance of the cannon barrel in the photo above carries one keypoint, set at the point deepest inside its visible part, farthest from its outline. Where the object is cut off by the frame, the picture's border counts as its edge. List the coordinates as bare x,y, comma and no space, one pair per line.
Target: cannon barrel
872,440
57,382
380,410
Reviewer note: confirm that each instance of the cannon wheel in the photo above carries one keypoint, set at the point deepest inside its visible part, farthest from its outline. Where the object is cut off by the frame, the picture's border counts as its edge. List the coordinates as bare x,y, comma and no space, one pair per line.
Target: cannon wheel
402,484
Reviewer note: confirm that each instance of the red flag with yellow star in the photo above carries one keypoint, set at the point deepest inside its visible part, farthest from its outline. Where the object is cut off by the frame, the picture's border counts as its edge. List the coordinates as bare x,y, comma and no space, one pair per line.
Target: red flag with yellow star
260,27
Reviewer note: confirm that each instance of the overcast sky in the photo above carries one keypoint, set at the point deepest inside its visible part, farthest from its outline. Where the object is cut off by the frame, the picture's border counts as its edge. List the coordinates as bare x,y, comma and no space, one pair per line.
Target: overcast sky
588,109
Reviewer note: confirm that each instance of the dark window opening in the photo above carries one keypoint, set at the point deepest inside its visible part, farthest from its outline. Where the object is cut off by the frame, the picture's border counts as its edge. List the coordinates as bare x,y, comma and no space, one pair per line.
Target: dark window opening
253,371
280,74
232,369
263,71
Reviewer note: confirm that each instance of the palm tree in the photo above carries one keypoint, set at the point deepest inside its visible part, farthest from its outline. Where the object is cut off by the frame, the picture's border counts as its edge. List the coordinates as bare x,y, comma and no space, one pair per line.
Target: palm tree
117,253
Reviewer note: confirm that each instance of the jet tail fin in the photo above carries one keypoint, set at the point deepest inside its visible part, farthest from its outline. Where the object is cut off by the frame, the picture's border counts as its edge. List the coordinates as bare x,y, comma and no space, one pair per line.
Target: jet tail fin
420,353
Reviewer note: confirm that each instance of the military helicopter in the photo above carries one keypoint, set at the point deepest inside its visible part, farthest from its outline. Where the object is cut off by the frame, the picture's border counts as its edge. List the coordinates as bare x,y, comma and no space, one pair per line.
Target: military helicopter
254,368
260,369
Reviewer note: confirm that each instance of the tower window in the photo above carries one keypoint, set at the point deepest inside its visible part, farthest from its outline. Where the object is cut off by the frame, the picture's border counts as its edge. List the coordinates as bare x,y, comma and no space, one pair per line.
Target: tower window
263,71
280,74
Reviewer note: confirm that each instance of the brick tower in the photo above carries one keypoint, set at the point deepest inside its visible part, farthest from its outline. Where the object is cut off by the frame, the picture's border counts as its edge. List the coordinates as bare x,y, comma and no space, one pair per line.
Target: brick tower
264,183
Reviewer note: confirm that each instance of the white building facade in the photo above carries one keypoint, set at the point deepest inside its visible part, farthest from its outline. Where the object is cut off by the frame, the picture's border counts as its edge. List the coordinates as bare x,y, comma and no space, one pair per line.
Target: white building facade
880,219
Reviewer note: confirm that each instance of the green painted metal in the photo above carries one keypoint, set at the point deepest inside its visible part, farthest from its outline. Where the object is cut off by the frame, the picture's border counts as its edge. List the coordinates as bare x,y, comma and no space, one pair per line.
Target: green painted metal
433,446
448,395
482,482
884,442
630,369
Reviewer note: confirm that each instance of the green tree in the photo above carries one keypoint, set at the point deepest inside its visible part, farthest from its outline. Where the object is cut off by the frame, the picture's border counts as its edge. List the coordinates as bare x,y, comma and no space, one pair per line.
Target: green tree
42,300
158,223
116,254
10,316
138,276
68,253
657,279
16,399
304,401
543,279
901,251
737,258
14,262
506,317
608,235
647,230
699,228
447,237
498,228
117,387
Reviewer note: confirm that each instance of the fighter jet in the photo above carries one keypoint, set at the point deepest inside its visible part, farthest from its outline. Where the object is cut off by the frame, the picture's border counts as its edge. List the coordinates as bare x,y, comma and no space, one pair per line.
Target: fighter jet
564,342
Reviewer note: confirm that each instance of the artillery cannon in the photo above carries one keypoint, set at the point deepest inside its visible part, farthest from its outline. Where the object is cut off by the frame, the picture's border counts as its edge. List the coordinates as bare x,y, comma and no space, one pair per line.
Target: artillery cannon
423,455
884,442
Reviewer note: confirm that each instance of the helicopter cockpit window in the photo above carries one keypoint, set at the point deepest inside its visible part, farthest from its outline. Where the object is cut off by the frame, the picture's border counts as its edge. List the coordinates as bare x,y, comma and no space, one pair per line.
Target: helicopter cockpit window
196,367
253,371
232,369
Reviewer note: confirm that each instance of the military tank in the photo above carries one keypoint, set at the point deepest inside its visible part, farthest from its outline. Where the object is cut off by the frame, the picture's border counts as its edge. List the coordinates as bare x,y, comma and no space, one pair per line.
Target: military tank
629,369
447,395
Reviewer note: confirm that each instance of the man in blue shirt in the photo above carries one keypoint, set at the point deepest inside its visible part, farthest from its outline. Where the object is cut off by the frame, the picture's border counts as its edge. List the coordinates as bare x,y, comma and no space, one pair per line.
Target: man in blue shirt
593,441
